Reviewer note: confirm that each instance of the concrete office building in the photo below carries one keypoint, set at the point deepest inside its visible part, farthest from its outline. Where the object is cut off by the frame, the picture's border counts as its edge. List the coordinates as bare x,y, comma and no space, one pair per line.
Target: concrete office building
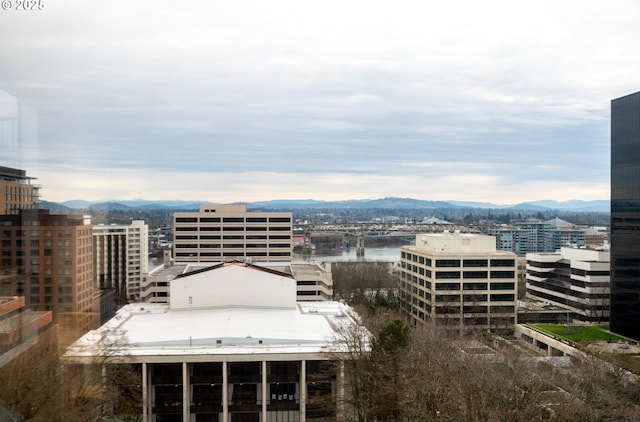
17,192
625,216
233,345
48,259
576,280
460,281
223,232
120,258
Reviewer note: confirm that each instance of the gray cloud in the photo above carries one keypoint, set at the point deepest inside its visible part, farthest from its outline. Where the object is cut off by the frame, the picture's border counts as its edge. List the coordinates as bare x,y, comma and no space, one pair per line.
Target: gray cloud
507,93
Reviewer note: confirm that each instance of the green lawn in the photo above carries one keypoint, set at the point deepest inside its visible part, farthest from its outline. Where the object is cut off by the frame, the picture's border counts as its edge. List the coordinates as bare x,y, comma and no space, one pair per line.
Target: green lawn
578,332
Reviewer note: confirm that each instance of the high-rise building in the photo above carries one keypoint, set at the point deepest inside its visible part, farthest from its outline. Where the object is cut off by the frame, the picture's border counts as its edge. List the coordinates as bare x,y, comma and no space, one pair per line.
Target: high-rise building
576,280
16,191
48,259
460,281
224,232
120,258
625,215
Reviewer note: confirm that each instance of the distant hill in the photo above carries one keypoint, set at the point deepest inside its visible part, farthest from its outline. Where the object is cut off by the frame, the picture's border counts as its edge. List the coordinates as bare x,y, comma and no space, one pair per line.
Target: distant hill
382,203
573,205
54,207
109,206
134,204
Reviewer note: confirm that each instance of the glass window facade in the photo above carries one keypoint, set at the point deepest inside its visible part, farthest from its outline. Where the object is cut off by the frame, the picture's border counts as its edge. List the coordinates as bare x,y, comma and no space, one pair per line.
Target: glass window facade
625,216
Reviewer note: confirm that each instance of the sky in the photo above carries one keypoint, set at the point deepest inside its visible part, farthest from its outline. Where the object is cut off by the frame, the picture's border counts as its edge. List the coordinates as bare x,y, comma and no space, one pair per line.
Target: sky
240,101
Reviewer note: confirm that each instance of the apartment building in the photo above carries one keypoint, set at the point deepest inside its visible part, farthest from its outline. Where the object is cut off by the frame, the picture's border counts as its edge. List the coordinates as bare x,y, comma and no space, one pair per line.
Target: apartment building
223,232
460,281
17,191
48,259
233,345
547,236
23,332
120,258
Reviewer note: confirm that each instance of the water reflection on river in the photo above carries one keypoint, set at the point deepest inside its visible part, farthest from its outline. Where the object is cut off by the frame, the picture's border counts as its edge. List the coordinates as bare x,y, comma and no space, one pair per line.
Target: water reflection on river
386,254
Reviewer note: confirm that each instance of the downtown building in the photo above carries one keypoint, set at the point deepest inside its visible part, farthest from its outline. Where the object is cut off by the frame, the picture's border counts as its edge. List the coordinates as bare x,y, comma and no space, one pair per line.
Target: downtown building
314,281
625,216
23,332
48,259
120,258
547,236
233,345
574,280
227,232
460,281
17,192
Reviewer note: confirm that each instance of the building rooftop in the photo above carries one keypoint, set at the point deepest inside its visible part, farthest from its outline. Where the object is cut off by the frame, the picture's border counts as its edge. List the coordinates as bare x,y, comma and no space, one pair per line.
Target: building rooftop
455,242
228,309
155,329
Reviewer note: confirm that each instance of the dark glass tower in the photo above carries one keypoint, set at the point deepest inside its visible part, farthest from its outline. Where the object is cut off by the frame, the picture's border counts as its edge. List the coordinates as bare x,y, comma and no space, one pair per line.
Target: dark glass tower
625,216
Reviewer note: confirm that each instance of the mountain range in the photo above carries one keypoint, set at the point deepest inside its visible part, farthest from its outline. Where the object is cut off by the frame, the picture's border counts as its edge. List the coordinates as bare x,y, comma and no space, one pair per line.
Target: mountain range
382,203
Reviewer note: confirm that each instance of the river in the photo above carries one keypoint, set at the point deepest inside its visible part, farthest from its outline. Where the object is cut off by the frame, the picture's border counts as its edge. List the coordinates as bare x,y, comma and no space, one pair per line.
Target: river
383,253
386,254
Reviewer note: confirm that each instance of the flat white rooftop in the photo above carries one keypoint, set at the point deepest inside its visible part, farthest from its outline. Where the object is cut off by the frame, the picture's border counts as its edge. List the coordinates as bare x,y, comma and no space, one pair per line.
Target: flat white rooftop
140,330
228,309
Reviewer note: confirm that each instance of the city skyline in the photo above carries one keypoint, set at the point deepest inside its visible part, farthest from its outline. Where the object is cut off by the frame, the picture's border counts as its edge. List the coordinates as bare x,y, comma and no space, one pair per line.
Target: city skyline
492,102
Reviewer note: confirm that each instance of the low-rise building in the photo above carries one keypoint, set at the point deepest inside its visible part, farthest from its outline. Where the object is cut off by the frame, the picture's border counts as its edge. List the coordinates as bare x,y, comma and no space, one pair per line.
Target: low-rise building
576,280
233,345
314,280
459,280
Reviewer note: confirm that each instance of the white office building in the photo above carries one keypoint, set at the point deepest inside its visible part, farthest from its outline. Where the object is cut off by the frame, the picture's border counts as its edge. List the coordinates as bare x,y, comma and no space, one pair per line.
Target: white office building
459,280
576,280
120,258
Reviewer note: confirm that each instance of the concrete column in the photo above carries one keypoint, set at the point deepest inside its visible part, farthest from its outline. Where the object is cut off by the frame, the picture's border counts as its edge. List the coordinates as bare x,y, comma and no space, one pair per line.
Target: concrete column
303,391
225,393
264,391
186,400
340,393
145,394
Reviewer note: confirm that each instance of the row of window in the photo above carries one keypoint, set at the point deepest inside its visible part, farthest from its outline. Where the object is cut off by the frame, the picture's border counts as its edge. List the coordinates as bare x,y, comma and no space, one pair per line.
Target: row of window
459,274
231,254
456,263
234,229
233,219
234,237
230,245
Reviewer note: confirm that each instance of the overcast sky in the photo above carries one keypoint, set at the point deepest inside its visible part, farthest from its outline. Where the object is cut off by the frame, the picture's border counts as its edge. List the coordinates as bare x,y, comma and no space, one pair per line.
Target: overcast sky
497,101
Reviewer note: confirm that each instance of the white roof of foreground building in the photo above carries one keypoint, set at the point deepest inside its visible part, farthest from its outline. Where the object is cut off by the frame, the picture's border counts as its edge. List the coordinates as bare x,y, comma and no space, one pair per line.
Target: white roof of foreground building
230,310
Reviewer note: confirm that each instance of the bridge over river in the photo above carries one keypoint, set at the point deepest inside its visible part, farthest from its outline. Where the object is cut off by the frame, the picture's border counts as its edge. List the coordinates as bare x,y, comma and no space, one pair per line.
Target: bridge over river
357,235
